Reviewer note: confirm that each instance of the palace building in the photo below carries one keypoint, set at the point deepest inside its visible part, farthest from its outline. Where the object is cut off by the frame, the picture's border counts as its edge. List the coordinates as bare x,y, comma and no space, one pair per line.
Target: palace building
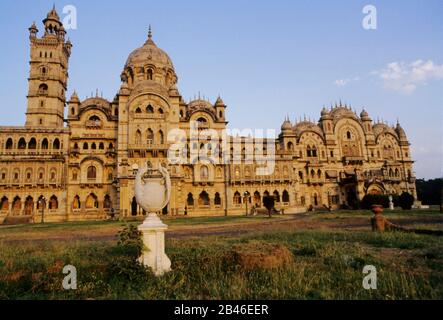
81,163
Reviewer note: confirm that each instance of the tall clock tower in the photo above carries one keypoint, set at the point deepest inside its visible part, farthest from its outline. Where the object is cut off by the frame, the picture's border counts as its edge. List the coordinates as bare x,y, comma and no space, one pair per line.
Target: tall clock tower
48,78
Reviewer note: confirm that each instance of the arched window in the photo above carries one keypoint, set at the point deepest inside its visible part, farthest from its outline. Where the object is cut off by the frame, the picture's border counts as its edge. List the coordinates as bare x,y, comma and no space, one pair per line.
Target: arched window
237,198
204,172
43,89
53,203
138,110
72,111
9,144
41,203
300,175
107,203
314,151
308,151
76,203
277,196
93,146
319,173
111,146
149,109
285,196
74,175
190,200
85,146
32,144
203,199
91,202
4,204
217,199
45,144
150,74
290,146
348,135
94,118
22,144
16,205
150,139
101,146
138,137
161,137
92,172
181,113
160,110
257,198
56,144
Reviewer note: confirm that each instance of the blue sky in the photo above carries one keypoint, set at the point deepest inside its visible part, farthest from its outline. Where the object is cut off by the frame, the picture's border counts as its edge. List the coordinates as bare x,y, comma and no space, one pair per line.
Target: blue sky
267,59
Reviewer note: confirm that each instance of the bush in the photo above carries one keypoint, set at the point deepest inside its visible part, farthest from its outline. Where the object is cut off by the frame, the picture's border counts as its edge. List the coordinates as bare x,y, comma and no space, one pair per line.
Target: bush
371,199
269,203
406,201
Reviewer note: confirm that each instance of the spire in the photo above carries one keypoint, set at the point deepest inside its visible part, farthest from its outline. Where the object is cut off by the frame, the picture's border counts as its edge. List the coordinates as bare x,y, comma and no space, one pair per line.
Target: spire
149,32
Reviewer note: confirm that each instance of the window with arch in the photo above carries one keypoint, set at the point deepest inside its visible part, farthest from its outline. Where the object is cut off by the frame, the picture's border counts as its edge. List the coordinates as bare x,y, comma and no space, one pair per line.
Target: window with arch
138,110
149,109
190,200
91,202
161,137
276,195
107,203
9,144
101,146
56,144
285,196
348,135
4,204
22,144
92,173
85,146
53,203
43,89
203,199
93,146
76,203
138,137
290,146
74,175
217,199
204,172
150,137
45,144
237,198
160,110
150,74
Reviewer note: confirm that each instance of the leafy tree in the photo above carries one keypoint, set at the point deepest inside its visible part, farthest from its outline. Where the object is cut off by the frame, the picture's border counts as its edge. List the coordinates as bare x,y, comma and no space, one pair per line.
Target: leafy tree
406,201
429,191
371,199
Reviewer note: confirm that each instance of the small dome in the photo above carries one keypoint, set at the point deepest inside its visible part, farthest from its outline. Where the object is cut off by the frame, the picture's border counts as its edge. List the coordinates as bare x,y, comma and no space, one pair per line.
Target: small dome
74,97
219,102
324,112
286,125
364,114
401,133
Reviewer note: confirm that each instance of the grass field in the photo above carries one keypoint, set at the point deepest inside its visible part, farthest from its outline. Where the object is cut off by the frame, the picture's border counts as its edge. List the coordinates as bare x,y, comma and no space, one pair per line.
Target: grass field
329,252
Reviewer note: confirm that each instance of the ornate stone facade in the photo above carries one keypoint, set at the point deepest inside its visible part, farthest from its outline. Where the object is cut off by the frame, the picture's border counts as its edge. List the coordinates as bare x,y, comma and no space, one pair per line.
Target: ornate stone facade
86,169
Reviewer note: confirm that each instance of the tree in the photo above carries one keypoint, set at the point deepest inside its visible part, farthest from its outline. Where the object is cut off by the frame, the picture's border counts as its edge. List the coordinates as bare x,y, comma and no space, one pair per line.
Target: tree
269,202
371,199
406,201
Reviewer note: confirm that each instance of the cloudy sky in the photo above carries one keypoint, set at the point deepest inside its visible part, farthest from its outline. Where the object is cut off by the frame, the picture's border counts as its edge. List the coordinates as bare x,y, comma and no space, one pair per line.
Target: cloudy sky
267,59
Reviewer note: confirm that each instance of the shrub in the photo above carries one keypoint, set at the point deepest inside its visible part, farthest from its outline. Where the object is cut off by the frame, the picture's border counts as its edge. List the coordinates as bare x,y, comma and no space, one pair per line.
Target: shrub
406,201
371,199
130,240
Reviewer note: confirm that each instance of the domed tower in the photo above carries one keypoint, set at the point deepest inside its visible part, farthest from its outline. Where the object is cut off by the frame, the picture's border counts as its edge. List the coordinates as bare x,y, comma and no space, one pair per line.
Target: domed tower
287,136
150,65
48,78
220,109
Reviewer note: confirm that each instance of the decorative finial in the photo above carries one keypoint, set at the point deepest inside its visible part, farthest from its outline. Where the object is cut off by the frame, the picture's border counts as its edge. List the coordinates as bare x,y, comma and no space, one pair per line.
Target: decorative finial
149,32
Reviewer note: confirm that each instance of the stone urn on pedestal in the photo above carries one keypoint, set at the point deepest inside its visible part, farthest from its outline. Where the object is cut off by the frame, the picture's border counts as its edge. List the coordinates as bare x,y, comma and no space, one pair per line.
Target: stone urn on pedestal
152,193
378,221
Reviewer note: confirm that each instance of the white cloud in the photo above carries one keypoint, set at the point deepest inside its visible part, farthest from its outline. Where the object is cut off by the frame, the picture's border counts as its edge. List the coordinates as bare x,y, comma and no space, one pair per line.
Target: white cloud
344,82
406,78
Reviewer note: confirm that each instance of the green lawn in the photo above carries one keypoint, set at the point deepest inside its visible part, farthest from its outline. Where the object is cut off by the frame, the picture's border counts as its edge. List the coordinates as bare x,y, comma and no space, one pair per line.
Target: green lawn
327,264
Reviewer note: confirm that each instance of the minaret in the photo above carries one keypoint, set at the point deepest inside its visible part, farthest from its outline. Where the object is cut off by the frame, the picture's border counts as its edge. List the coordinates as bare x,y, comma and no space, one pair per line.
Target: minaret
48,77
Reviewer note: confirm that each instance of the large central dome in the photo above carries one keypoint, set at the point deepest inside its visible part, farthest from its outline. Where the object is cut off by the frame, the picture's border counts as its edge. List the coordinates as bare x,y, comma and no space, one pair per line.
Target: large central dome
149,66
149,53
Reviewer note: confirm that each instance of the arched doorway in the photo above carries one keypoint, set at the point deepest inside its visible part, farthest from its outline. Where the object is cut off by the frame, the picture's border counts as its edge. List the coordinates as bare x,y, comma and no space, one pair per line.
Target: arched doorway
29,206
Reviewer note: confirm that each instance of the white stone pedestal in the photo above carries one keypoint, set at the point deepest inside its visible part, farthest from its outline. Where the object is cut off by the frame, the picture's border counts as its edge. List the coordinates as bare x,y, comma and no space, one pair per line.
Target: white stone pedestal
153,255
